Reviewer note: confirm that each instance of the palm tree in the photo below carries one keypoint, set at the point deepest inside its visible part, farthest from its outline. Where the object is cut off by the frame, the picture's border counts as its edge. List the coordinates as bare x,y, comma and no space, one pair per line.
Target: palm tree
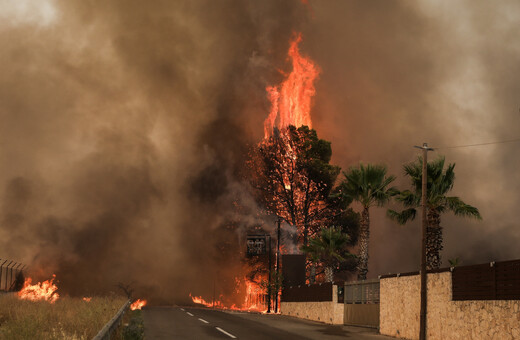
439,183
329,247
368,185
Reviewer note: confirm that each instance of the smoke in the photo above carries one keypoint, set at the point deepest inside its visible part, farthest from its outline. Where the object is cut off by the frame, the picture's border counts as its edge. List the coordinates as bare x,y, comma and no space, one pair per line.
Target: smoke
125,127
397,75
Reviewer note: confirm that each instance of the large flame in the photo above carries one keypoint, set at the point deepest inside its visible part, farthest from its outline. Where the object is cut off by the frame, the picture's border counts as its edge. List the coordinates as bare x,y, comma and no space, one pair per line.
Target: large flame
138,304
290,105
45,290
291,100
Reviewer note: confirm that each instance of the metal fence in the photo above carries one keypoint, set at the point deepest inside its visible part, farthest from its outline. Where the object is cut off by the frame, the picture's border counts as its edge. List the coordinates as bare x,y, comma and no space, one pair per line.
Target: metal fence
490,281
113,324
362,292
9,269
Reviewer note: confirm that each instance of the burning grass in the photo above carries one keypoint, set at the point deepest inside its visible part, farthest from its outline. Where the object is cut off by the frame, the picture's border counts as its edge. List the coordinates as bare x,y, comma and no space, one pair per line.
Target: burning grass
66,318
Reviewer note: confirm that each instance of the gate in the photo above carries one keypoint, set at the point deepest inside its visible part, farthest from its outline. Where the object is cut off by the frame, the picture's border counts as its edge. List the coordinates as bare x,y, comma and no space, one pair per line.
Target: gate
361,300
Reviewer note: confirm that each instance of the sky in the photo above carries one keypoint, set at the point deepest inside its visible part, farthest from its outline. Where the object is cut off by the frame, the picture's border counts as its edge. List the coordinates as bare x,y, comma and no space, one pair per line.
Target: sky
125,124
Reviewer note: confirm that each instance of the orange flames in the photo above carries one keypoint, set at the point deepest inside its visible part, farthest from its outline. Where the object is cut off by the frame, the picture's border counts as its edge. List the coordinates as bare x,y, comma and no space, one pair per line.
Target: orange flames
199,300
87,299
254,299
291,100
138,304
45,290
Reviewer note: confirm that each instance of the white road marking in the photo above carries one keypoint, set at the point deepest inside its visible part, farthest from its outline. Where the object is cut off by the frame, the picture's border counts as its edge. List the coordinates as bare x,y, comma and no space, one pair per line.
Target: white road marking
182,309
189,313
203,320
228,334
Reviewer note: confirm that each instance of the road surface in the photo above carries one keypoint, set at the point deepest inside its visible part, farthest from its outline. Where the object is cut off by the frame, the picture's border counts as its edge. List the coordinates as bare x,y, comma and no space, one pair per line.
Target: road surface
200,323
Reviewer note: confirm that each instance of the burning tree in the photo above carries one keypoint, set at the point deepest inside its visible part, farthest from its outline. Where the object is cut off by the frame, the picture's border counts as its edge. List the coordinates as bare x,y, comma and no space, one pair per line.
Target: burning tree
293,178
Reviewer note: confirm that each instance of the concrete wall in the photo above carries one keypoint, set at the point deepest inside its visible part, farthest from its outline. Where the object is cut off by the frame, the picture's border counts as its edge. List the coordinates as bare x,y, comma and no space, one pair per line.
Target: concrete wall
330,312
447,319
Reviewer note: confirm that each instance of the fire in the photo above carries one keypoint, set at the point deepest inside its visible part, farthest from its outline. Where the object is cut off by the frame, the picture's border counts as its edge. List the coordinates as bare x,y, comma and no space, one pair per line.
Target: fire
41,291
254,299
291,103
291,100
199,300
138,304
87,299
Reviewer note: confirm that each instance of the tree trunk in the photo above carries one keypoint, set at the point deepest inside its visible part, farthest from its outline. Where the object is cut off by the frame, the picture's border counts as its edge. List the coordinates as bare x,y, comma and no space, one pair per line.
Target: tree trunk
364,234
329,274
305,234
433,240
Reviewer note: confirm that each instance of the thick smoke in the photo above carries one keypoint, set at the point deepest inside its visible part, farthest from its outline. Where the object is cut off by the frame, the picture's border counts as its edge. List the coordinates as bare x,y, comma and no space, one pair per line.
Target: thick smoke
397,75
125,127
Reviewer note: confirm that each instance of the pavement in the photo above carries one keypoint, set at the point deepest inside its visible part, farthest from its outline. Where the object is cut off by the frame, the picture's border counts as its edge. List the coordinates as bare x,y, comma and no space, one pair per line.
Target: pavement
202,323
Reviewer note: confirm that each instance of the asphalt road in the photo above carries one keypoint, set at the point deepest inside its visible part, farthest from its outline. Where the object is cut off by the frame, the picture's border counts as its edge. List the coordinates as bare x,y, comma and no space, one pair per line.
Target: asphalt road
200,323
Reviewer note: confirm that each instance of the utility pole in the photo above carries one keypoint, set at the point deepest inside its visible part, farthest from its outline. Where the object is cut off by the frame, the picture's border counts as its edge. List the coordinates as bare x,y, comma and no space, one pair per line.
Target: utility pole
269,283
424,293
277,266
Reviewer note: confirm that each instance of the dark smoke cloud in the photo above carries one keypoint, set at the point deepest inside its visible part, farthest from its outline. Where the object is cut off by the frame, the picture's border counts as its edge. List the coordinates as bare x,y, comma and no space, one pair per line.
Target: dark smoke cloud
125,127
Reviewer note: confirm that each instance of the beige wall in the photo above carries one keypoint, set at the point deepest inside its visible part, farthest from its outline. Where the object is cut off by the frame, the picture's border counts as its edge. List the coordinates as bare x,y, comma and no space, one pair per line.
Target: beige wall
447,319
330,312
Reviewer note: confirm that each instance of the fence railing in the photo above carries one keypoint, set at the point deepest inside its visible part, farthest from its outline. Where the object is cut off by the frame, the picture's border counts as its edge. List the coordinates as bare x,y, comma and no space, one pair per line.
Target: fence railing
490,281
362,292
9,269
111,326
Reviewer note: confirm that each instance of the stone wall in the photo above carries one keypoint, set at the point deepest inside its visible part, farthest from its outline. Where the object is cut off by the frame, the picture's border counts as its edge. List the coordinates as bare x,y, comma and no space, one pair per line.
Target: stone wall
447,319
330,312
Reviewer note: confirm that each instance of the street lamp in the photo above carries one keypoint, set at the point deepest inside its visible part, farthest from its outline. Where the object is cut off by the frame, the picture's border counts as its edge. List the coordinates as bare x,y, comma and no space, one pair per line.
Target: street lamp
279,221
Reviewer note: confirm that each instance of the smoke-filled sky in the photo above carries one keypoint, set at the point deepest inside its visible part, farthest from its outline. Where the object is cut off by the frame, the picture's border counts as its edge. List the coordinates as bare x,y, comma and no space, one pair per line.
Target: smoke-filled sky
124,125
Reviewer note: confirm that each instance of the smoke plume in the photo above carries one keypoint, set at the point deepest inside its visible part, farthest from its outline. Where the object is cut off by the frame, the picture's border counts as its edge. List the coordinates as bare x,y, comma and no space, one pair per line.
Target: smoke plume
125,127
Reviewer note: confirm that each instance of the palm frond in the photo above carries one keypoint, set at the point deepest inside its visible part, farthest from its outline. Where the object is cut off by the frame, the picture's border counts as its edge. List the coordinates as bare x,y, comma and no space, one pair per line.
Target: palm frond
329,245
460,208
402,217
368,184
409,198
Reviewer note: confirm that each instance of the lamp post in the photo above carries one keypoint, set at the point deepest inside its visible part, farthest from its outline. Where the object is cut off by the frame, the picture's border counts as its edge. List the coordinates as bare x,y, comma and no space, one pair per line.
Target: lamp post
269,283
277,265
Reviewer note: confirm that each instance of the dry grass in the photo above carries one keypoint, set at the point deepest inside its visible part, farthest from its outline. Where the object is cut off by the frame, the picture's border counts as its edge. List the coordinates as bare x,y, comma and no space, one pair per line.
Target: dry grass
67,318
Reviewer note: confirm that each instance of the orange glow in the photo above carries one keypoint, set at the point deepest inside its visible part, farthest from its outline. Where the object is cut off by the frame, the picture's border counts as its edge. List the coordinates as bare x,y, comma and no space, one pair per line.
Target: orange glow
87,299
45,290
199,300
138,304
291,100
254,299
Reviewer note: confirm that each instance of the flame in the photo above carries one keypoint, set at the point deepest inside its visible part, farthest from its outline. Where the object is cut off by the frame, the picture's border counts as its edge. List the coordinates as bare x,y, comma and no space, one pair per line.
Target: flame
138,304
291,100
254,299
199,300
45,290
87,299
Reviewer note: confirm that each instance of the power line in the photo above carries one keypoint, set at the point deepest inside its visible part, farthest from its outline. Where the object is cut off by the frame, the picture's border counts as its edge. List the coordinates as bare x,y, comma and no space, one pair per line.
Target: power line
480,144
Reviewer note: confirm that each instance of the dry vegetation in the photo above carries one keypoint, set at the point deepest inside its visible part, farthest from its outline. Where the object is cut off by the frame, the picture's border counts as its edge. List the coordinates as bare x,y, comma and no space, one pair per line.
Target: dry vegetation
67,318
